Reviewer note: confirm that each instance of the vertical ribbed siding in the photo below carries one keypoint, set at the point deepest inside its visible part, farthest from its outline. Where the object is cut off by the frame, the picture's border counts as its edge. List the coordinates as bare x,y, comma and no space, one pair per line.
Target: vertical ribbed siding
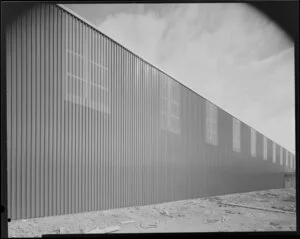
67,155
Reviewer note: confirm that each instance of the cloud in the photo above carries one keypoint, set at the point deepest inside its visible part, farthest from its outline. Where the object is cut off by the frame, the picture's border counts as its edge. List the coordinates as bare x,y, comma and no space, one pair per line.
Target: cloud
129,32
228,53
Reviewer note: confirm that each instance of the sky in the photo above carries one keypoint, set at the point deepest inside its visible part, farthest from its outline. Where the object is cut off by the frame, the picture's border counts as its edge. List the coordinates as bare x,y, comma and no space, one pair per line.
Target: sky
229,53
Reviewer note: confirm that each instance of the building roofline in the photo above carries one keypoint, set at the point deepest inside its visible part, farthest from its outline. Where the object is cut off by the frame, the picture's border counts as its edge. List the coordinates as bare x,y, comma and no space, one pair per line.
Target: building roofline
62,6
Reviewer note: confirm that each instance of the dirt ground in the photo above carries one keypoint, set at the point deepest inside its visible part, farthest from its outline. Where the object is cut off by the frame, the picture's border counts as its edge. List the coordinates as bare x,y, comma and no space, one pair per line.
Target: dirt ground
196,215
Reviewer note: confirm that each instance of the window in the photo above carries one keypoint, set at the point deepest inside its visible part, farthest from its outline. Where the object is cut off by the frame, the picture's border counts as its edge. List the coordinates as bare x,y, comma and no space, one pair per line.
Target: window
274,152
253,142
170,105
281,156
265,148
86,74
286,158
165,104
294,162
76,81
291,160
211,124
174,106
236,127
98,85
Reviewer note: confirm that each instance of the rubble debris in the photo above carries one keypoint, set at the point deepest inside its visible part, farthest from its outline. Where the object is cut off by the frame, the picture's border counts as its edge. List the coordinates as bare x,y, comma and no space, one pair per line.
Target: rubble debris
201,206
212,220
282,208
105,230
63,230
274,224
230,212
56,231
289,199
169,217
147,225
126,222
258,208
163,212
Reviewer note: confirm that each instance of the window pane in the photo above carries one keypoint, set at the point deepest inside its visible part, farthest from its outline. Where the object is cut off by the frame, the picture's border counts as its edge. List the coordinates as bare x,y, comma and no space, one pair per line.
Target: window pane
174,109
208,117
98,75
236,134
175,92
164,87
281,155
74,63
177,124
294,162
211,123
99,97
274,152
76,87
174,124
233,134
164,104
265,149
215,124
207,135
253,142
164,121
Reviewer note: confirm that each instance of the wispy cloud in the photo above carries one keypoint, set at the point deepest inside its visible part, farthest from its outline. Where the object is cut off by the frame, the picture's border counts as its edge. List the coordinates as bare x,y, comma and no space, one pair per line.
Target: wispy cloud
228,53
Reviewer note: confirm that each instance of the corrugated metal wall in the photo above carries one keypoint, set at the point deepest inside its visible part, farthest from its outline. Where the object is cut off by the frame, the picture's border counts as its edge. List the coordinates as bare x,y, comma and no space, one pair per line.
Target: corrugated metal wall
91,126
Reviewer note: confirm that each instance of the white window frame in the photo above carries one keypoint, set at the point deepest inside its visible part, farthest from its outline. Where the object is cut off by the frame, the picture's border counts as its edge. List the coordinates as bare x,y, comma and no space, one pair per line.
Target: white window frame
236,135
211,124
265,147
86,99
291,160
274,152
253,142
286,158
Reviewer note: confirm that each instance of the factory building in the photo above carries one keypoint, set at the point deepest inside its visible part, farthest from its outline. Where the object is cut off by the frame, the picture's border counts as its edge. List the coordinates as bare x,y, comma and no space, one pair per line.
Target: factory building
92,126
